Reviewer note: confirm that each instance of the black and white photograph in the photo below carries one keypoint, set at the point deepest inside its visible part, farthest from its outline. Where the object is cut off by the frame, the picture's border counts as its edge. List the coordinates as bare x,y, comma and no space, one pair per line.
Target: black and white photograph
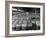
25,18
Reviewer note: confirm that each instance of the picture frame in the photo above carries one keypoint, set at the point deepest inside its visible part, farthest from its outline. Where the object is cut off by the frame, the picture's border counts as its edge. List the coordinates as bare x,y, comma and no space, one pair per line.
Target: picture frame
10,6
